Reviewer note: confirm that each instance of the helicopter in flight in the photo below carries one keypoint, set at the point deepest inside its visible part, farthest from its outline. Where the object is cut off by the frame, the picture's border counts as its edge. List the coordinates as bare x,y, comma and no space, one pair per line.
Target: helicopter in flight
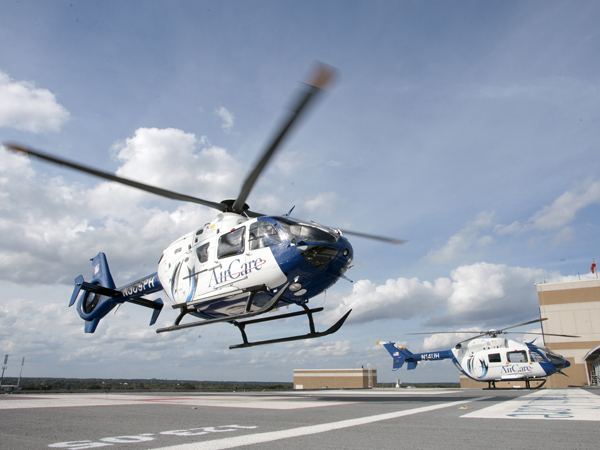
486,357
241,265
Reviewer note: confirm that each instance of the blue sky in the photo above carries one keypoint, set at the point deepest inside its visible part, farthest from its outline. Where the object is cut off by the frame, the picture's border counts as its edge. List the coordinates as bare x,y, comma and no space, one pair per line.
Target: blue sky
468,128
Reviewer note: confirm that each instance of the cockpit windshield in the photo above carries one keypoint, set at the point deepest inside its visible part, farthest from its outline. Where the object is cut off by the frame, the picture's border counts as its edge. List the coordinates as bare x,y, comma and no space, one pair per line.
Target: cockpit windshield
541,352
298,231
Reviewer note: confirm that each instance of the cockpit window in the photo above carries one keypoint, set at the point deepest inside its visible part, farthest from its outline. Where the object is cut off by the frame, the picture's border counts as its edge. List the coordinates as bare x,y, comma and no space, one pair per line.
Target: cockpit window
232,243
202,253
536,357
516,357
263,234
305,232
554,358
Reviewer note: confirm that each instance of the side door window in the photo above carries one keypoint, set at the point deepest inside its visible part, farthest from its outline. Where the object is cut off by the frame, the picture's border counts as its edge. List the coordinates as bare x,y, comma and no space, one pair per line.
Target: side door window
517,357
202,253
494,358
232,243
263,234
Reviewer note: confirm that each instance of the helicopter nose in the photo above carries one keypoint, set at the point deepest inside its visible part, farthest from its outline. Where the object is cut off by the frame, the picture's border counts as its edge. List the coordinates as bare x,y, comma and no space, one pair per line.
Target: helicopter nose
560,363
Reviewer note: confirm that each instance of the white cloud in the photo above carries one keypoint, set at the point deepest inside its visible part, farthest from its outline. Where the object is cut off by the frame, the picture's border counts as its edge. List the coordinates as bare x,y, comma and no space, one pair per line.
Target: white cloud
501,230
26,107
403,298
448,340
565,207
463,240
559,214
493,295
227,117
49,228
322,200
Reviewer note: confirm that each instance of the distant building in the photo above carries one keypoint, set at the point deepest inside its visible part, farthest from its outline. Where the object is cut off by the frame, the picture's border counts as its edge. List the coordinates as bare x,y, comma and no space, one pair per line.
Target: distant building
573,308
335,378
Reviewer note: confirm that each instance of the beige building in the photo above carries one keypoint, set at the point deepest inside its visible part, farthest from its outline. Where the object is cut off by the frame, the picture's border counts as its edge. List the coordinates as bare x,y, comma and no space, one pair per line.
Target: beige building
335,378
573,308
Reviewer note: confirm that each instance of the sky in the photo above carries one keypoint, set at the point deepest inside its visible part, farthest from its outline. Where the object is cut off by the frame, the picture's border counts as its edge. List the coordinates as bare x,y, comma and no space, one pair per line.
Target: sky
470,129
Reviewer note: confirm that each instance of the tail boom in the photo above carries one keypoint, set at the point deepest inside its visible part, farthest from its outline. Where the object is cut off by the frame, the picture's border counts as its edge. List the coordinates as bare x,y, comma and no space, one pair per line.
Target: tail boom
402,355
100,296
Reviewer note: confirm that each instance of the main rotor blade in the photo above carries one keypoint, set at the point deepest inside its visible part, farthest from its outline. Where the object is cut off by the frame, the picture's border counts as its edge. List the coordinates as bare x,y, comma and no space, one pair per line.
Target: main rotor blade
471,338
373,236
322,76
107,176
525,323
542,334
450,332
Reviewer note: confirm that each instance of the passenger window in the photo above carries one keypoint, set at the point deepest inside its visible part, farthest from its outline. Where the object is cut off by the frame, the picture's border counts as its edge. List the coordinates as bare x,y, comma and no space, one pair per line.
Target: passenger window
232,243
494,358
202,253
516,357
263,234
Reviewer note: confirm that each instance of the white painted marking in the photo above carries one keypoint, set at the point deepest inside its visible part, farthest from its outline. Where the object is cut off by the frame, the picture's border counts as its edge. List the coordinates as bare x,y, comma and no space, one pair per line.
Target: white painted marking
372,392
260,438
561,404
224,401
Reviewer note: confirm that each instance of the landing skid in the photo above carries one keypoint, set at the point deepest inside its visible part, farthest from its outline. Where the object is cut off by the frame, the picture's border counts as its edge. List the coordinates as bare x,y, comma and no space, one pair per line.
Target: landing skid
247,314
492,385
311,335
234,319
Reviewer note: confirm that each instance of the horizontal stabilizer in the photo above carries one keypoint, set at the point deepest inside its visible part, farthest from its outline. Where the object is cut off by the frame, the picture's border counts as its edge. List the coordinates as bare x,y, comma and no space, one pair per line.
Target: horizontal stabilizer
400,355
100,296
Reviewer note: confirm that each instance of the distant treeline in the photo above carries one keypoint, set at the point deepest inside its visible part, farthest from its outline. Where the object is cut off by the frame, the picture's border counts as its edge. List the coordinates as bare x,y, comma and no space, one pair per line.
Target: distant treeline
80,384
77,384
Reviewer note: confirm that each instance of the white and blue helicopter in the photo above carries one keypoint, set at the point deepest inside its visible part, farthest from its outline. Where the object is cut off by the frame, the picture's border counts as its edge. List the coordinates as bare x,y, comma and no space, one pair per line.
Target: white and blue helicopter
241,265
490,358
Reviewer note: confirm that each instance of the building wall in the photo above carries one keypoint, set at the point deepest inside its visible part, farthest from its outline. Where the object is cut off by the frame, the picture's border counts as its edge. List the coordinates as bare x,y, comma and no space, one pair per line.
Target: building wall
334,378
571,308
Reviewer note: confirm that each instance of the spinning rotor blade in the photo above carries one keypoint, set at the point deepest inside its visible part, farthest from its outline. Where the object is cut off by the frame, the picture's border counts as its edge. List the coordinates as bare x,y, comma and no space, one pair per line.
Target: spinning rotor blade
107,176
375,237
322,76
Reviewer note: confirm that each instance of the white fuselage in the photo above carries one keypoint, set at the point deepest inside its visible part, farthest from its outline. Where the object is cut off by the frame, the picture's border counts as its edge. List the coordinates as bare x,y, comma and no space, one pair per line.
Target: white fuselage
198,268
493,359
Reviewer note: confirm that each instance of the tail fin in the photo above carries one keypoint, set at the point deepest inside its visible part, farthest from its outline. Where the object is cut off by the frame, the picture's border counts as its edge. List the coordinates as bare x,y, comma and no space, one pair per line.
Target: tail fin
400,355
100,296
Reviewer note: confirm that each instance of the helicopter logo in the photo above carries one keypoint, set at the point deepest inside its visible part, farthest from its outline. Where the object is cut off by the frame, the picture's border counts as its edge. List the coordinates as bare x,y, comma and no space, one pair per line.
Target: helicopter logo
240,265
490,358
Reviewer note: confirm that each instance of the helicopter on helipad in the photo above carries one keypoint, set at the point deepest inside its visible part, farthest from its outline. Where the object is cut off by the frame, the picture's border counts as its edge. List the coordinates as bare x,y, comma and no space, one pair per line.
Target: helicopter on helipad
240,265
490,358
